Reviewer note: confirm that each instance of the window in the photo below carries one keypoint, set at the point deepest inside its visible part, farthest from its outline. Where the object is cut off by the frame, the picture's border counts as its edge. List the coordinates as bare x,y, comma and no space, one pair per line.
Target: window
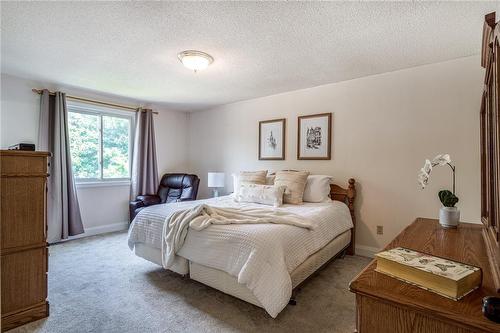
100,143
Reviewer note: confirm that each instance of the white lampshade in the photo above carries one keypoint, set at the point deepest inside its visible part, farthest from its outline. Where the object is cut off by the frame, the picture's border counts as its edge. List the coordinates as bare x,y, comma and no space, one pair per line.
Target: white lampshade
216,179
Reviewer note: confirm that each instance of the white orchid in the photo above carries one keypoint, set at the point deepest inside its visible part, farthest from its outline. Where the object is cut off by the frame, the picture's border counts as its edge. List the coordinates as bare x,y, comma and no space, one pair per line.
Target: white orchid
427,167
425,173
441,159
423,178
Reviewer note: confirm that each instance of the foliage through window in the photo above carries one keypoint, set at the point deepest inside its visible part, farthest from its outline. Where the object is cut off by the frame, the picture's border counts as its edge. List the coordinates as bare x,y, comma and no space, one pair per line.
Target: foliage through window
100,143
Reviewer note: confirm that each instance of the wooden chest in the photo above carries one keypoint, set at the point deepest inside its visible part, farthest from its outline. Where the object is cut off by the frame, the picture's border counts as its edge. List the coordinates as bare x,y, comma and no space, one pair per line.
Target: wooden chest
23,250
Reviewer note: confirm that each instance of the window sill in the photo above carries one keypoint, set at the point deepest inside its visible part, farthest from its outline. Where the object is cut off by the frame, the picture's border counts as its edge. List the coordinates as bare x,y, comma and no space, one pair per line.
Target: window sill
103,184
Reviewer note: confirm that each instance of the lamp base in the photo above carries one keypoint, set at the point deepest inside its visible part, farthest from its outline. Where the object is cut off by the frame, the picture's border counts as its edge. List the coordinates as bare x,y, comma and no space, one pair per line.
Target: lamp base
216,193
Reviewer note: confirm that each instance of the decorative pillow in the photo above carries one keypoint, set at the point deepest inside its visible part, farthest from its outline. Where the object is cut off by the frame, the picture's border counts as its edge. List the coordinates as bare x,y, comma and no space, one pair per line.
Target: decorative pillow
317,188
295,182
270,179
248,177
262,194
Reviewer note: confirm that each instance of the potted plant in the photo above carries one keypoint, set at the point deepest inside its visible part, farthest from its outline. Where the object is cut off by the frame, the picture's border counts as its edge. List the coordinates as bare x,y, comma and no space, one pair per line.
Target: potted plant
449,215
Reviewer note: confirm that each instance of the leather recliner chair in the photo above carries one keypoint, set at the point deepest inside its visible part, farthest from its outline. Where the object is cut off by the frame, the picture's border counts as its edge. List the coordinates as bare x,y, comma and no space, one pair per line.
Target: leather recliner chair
174,187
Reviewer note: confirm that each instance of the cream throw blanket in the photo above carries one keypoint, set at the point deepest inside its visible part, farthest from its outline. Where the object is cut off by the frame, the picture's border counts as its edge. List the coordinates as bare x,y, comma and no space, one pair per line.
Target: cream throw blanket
202,216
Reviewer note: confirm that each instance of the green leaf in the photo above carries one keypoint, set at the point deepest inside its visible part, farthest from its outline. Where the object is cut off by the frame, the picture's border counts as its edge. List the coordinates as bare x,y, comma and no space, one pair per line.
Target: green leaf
447,198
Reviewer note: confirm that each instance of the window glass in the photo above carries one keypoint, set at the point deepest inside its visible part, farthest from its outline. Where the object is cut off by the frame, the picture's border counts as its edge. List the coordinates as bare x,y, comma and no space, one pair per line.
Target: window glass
100,143
84,134
115,147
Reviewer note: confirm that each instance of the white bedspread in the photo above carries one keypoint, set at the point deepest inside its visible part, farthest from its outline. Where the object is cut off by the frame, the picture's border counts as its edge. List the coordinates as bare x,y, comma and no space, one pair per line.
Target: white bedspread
260,256
202,216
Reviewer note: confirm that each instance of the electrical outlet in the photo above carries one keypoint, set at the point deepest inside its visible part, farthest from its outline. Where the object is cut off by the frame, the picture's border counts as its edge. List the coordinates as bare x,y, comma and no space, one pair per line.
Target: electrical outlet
380,230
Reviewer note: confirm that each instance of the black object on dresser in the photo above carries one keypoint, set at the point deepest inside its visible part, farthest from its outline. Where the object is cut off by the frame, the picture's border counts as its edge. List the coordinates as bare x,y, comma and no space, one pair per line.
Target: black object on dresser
23,146
491,308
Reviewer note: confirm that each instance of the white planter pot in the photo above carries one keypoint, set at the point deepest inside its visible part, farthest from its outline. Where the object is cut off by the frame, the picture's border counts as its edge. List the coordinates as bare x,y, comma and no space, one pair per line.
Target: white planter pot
449,217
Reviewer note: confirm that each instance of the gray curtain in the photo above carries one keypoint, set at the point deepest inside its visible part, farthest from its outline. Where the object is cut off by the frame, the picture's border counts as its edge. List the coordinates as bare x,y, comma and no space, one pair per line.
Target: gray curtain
144,164
63,211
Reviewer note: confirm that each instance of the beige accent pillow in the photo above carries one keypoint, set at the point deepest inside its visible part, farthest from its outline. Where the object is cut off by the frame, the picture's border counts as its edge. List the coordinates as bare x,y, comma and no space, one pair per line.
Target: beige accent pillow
248,177
252,177
270,179
262,194
295,182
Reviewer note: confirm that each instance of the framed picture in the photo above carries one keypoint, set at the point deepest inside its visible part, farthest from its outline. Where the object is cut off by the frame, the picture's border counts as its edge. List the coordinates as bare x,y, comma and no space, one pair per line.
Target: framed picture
314,137
272,139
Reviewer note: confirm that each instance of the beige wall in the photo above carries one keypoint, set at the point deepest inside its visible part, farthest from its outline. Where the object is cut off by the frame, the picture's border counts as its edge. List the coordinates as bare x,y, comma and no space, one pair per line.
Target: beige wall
384,126
103,208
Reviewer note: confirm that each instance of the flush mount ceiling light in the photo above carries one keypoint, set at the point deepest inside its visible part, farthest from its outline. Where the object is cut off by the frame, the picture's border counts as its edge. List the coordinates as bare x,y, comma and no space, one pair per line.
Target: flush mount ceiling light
195,60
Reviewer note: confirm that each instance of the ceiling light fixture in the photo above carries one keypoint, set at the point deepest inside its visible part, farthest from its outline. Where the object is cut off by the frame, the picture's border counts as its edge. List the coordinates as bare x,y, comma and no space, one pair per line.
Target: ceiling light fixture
195,60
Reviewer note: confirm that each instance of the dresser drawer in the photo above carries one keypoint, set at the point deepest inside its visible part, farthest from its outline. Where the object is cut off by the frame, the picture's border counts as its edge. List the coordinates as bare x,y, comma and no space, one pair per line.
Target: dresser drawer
22,163
24,279
23,211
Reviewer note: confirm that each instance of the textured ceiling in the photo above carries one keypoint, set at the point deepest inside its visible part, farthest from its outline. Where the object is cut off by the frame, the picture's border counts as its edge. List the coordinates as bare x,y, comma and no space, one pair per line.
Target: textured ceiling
129,48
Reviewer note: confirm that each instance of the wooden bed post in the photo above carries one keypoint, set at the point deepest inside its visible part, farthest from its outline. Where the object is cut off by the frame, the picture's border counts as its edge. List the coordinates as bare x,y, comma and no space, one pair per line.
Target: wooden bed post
351,195
347,196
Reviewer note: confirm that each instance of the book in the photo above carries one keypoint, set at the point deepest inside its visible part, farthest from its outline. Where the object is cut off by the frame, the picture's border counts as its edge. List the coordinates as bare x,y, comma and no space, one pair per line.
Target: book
442,276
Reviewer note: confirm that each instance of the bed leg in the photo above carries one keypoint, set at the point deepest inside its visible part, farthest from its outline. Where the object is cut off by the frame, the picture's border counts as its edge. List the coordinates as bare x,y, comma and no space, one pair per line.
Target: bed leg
342,255
292,300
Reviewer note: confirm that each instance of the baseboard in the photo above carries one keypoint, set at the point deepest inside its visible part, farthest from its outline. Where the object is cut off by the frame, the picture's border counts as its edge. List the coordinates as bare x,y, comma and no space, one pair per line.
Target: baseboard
102,229
366,251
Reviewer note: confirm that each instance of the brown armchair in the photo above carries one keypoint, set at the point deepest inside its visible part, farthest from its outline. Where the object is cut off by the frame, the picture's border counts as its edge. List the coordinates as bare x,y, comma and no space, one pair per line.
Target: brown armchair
173,187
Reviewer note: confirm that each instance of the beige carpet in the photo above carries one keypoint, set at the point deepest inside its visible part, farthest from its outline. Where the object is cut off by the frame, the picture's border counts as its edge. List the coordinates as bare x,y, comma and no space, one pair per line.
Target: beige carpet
97,284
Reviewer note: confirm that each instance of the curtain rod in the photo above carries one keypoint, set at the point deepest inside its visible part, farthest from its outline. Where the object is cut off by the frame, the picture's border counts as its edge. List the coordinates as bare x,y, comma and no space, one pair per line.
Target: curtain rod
93,101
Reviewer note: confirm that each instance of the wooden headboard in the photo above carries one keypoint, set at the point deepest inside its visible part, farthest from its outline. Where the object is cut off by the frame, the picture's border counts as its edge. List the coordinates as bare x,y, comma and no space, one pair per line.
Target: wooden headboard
347,196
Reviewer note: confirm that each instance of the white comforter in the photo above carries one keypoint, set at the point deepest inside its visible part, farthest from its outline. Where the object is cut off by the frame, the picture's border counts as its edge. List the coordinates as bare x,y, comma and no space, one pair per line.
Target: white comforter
202,216
260,256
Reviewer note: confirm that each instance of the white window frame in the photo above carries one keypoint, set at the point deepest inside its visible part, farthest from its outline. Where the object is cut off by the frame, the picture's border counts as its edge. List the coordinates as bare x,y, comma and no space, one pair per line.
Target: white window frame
92,109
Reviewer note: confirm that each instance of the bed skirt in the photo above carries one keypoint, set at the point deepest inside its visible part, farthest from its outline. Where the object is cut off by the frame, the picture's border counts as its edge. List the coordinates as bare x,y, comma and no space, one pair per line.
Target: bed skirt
228,284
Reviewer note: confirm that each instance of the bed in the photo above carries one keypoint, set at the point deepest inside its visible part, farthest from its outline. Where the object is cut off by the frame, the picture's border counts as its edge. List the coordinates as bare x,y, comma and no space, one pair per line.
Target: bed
261,264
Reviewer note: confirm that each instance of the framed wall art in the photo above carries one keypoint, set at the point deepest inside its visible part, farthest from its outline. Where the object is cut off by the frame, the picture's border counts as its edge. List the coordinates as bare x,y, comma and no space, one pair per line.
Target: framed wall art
272,139
314,137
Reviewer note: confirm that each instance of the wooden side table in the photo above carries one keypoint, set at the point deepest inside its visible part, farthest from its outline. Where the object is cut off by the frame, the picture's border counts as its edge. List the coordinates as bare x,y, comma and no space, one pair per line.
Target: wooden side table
386,305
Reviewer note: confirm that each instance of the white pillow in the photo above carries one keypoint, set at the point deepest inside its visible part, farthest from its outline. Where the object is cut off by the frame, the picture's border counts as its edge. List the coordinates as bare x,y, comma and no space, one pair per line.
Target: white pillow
317,188
262,194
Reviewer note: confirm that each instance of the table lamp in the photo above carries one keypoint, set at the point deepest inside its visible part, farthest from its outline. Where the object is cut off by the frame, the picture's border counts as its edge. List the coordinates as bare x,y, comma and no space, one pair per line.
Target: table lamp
216,181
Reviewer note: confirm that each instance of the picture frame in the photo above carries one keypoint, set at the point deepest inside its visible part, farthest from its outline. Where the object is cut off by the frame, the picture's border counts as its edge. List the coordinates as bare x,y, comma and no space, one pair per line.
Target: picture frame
272,139
314,137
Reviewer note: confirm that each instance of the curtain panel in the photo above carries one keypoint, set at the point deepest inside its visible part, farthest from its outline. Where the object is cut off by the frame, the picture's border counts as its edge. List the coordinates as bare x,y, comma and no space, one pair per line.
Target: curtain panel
63,211
144,162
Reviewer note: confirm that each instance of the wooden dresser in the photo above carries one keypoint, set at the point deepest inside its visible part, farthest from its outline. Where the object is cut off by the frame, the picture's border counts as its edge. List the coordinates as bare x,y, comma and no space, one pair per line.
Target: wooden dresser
24,257
387,305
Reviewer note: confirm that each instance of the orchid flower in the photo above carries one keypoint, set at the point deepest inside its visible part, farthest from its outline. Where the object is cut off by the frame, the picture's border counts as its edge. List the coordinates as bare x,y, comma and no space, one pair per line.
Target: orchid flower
423,178
441,159
427,167
425,173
